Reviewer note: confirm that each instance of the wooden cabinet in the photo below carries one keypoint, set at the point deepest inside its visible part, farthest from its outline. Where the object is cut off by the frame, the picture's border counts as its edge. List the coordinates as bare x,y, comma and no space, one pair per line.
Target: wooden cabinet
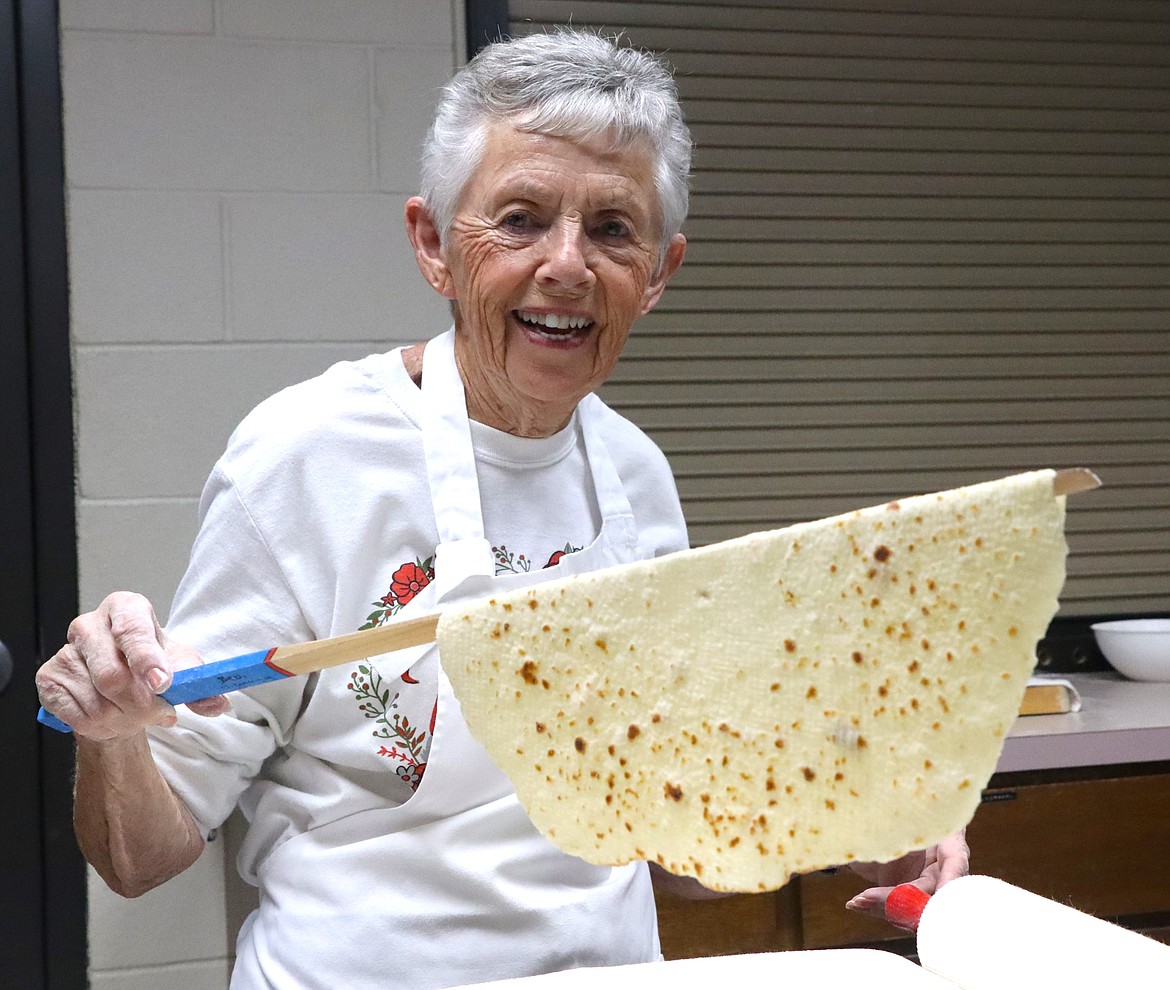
1098,839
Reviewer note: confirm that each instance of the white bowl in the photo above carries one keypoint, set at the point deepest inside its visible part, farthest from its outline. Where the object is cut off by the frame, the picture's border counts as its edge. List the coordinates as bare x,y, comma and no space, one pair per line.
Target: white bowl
1137,648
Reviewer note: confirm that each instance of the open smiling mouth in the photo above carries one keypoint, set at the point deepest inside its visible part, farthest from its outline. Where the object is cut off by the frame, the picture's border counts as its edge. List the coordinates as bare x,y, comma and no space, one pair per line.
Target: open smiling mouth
552,326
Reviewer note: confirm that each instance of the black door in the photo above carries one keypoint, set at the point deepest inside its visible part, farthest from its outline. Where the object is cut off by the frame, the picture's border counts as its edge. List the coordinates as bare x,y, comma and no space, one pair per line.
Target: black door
42,880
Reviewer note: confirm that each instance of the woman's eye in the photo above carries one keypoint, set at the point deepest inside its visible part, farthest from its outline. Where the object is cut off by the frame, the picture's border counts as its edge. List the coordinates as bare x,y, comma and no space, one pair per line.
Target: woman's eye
614,228
518,220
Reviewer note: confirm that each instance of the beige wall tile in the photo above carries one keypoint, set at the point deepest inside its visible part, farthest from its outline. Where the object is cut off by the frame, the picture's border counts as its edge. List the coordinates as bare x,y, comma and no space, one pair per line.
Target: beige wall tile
407,87
401,22
326,267
136,545
207,974
179,16
145,266
170,112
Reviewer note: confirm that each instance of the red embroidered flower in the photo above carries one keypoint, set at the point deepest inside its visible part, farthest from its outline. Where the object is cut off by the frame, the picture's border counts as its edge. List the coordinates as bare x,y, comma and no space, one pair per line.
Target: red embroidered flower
407,582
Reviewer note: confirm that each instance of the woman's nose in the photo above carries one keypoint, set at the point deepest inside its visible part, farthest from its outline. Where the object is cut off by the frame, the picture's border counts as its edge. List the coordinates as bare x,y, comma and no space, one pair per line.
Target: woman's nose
565,262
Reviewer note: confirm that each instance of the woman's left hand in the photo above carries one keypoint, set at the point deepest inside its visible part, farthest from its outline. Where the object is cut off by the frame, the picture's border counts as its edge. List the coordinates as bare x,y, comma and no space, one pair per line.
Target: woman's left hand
928,869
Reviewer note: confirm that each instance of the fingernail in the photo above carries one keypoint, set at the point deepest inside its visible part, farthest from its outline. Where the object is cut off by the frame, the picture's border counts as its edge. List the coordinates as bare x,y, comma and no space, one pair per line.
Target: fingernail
157,679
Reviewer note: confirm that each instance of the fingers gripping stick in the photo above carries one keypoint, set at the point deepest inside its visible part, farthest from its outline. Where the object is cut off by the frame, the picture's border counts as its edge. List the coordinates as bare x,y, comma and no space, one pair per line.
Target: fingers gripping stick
195,683
251,669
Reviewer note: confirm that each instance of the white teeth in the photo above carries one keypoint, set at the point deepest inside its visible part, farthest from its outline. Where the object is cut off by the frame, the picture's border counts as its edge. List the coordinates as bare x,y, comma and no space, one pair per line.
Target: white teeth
554,322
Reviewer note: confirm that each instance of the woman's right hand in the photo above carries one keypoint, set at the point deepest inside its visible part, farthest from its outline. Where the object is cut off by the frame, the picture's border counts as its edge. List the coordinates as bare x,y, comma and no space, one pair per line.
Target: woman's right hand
106,680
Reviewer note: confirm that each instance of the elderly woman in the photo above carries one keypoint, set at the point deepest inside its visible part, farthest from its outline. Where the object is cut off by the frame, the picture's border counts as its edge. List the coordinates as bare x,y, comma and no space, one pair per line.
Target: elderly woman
386,846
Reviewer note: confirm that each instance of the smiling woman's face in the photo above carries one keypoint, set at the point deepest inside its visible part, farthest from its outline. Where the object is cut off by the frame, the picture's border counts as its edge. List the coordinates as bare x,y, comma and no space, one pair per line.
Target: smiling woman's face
552,255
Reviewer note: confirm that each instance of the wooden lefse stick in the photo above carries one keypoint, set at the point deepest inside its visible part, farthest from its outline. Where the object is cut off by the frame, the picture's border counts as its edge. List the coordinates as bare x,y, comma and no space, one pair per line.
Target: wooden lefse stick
302,658
1069,481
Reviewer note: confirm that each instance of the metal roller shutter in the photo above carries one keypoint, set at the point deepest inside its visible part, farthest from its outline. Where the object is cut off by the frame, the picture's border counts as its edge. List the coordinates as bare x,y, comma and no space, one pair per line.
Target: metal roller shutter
929,245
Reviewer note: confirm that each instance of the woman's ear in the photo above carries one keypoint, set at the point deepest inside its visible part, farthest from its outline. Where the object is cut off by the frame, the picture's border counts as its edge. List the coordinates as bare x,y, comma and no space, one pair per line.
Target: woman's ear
428,250
670,264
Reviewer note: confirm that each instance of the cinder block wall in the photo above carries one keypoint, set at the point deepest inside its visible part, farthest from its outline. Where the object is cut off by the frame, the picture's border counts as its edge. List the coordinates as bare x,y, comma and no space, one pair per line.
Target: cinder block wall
236,171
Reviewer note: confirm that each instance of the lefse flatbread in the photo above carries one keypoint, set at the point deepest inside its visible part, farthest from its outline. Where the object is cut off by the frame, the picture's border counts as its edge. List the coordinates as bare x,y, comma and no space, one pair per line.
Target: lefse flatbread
834,691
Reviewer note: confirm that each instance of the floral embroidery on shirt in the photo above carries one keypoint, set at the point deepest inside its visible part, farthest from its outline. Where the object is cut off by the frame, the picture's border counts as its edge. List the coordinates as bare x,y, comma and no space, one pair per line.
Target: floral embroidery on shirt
408,744
405,583
558,554
509,563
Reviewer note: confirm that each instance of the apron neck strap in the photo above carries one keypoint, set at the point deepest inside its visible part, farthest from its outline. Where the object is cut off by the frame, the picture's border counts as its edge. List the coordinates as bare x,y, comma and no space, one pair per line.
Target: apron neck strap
463,550
447,444
612,501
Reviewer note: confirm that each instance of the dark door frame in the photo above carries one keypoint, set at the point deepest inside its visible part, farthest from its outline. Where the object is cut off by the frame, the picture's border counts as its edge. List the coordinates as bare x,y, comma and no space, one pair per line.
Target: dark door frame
485,21
40,488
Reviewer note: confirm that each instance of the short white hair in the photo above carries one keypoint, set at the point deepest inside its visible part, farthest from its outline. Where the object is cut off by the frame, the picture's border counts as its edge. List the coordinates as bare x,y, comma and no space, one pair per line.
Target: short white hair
567,83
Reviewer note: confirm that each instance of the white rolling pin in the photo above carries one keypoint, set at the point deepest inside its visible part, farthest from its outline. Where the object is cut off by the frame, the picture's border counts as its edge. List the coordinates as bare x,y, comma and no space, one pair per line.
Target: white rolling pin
983,934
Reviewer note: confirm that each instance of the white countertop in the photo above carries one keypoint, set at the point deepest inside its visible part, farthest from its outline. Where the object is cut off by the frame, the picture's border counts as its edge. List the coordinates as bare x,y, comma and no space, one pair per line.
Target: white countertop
1120,721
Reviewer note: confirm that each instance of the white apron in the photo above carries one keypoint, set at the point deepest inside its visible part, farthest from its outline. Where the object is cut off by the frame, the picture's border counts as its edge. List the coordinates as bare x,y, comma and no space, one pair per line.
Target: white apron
479,894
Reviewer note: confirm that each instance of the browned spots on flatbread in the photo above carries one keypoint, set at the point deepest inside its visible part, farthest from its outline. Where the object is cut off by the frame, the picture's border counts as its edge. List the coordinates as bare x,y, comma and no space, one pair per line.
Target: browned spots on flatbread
808,683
